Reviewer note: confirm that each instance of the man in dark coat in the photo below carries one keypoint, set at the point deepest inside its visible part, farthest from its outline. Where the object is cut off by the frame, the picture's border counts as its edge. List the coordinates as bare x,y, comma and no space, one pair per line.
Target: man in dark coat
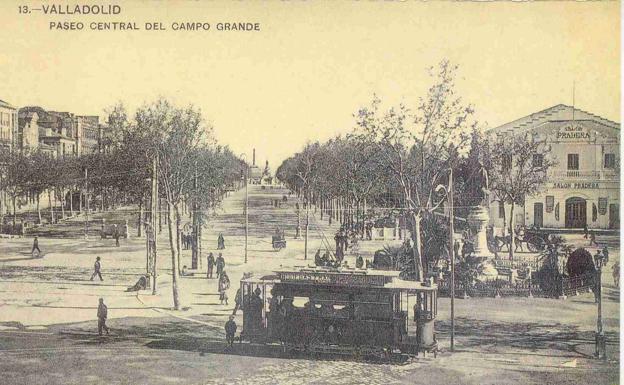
256,304
230,331
220,265
238,300
96,269
211,263
116,235
35,246
102,314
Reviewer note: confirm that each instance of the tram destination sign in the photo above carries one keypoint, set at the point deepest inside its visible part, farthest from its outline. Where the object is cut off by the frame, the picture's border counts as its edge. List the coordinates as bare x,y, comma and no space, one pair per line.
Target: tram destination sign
323,278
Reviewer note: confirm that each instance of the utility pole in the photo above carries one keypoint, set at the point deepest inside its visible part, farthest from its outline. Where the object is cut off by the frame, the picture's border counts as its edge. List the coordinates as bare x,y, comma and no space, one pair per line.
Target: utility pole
154,213
195,226
86,197
307,203
246,208
601,342
452,255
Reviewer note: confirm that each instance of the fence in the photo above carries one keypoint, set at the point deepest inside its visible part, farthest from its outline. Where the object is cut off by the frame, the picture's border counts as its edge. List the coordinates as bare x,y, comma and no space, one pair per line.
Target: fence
527,288
492,288
579,284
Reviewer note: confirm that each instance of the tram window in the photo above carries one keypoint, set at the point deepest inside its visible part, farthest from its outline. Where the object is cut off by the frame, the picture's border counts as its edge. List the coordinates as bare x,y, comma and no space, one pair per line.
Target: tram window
300,301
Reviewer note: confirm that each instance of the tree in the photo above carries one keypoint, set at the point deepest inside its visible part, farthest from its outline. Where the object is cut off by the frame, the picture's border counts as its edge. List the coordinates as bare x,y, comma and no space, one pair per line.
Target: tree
519,168
419,148
175,134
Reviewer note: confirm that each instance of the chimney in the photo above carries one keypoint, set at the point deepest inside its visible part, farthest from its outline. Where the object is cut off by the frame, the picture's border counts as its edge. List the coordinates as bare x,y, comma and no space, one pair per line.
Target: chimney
254,157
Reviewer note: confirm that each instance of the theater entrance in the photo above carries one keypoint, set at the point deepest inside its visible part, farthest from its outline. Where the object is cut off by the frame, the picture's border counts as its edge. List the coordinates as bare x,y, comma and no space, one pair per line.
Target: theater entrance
576,213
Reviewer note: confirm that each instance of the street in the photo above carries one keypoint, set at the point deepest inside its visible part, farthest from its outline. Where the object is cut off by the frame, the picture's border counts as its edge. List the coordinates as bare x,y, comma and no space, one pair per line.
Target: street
48,323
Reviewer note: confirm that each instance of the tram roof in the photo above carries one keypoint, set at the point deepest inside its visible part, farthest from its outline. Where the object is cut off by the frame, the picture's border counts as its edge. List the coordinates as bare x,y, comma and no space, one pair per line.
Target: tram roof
387,279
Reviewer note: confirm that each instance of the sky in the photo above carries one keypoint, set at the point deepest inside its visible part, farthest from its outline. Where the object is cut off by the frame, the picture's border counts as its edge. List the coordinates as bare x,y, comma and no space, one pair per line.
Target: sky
313,63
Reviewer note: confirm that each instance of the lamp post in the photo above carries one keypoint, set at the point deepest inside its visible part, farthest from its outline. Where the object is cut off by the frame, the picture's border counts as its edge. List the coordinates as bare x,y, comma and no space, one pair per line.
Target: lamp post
601,343
449,195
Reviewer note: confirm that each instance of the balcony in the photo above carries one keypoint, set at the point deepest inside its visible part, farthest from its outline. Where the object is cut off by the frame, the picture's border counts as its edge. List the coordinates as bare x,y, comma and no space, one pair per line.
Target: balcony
607,174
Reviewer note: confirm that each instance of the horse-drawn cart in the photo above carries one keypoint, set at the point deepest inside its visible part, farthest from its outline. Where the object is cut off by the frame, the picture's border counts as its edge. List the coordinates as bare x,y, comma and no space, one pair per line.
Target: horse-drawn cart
535,239
278,241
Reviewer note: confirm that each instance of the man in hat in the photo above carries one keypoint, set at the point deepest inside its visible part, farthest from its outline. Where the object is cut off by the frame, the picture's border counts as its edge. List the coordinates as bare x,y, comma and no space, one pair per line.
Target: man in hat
220,265
102,314
211,263
96,269
35,246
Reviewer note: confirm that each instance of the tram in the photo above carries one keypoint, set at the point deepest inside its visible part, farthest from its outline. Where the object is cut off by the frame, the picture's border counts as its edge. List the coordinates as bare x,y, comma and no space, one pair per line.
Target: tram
341,311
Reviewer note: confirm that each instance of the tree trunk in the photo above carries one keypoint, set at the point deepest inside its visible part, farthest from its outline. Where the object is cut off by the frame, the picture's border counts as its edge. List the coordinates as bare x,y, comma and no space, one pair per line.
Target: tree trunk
51,207
178,221
139,225
511,232
417,248
174,259
38,208
14,211
71,202
62,203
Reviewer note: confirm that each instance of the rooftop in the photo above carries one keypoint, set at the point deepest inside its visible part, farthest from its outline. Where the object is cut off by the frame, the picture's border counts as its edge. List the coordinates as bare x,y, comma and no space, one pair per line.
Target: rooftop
560,112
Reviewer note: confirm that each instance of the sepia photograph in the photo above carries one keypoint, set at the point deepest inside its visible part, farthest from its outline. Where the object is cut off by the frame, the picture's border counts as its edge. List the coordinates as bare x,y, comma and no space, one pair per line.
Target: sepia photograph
310,192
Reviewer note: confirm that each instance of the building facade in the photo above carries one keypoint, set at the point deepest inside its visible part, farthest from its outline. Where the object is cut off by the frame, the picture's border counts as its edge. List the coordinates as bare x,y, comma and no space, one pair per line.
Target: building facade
8,124
58,133
583,187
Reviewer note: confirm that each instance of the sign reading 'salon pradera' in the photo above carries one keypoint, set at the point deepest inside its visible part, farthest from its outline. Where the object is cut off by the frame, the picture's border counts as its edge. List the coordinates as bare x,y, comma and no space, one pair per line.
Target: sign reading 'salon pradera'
573,133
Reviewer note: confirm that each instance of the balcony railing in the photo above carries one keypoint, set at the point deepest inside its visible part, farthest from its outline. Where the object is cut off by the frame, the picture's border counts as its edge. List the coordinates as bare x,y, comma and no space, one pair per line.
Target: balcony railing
607,174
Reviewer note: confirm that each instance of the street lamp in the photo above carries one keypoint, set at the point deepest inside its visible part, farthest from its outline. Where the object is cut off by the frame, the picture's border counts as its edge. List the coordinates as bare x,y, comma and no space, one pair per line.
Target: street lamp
246,181
449,195
601,342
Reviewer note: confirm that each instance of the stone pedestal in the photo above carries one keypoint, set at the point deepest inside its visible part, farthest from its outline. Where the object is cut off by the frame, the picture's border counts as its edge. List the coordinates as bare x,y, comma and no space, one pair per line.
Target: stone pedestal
478,220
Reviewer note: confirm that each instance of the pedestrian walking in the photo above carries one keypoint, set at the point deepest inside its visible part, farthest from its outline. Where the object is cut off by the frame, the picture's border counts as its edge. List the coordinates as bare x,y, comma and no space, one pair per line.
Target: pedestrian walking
102,314
592,238
116,235
616,274
220,242
35,246
96,269
230,331
210,264
605,253
585,231
224,285
220,265
238,300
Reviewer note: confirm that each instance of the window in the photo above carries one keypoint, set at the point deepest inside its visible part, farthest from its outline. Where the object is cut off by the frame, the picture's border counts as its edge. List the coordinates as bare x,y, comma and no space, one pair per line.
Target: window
609,161
501,210
573,161
538,160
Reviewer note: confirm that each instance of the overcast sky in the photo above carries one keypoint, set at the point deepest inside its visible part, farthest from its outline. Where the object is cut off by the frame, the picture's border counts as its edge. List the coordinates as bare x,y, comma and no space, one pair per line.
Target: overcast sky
314,63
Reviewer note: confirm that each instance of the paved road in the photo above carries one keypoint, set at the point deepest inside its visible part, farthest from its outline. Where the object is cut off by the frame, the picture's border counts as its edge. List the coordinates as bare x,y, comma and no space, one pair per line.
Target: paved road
47,321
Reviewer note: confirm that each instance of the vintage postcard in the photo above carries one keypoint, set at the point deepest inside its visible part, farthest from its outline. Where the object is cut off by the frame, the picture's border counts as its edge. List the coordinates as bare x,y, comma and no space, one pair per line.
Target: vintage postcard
309,192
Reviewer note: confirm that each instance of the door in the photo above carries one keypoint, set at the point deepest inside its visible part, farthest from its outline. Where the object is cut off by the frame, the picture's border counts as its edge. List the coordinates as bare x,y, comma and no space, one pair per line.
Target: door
538,214
576,213
614,216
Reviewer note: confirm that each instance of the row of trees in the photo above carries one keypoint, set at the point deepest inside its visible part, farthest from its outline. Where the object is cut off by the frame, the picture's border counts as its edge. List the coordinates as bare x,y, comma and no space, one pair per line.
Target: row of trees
396,160
193,171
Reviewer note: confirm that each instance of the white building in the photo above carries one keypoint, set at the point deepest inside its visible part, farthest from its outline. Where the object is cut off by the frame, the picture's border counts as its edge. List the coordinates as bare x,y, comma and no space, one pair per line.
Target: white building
8,124
583,188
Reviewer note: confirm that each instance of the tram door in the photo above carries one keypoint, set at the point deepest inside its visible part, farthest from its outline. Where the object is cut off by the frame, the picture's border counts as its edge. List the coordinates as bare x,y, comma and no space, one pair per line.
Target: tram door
614,216
538,214
576,213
